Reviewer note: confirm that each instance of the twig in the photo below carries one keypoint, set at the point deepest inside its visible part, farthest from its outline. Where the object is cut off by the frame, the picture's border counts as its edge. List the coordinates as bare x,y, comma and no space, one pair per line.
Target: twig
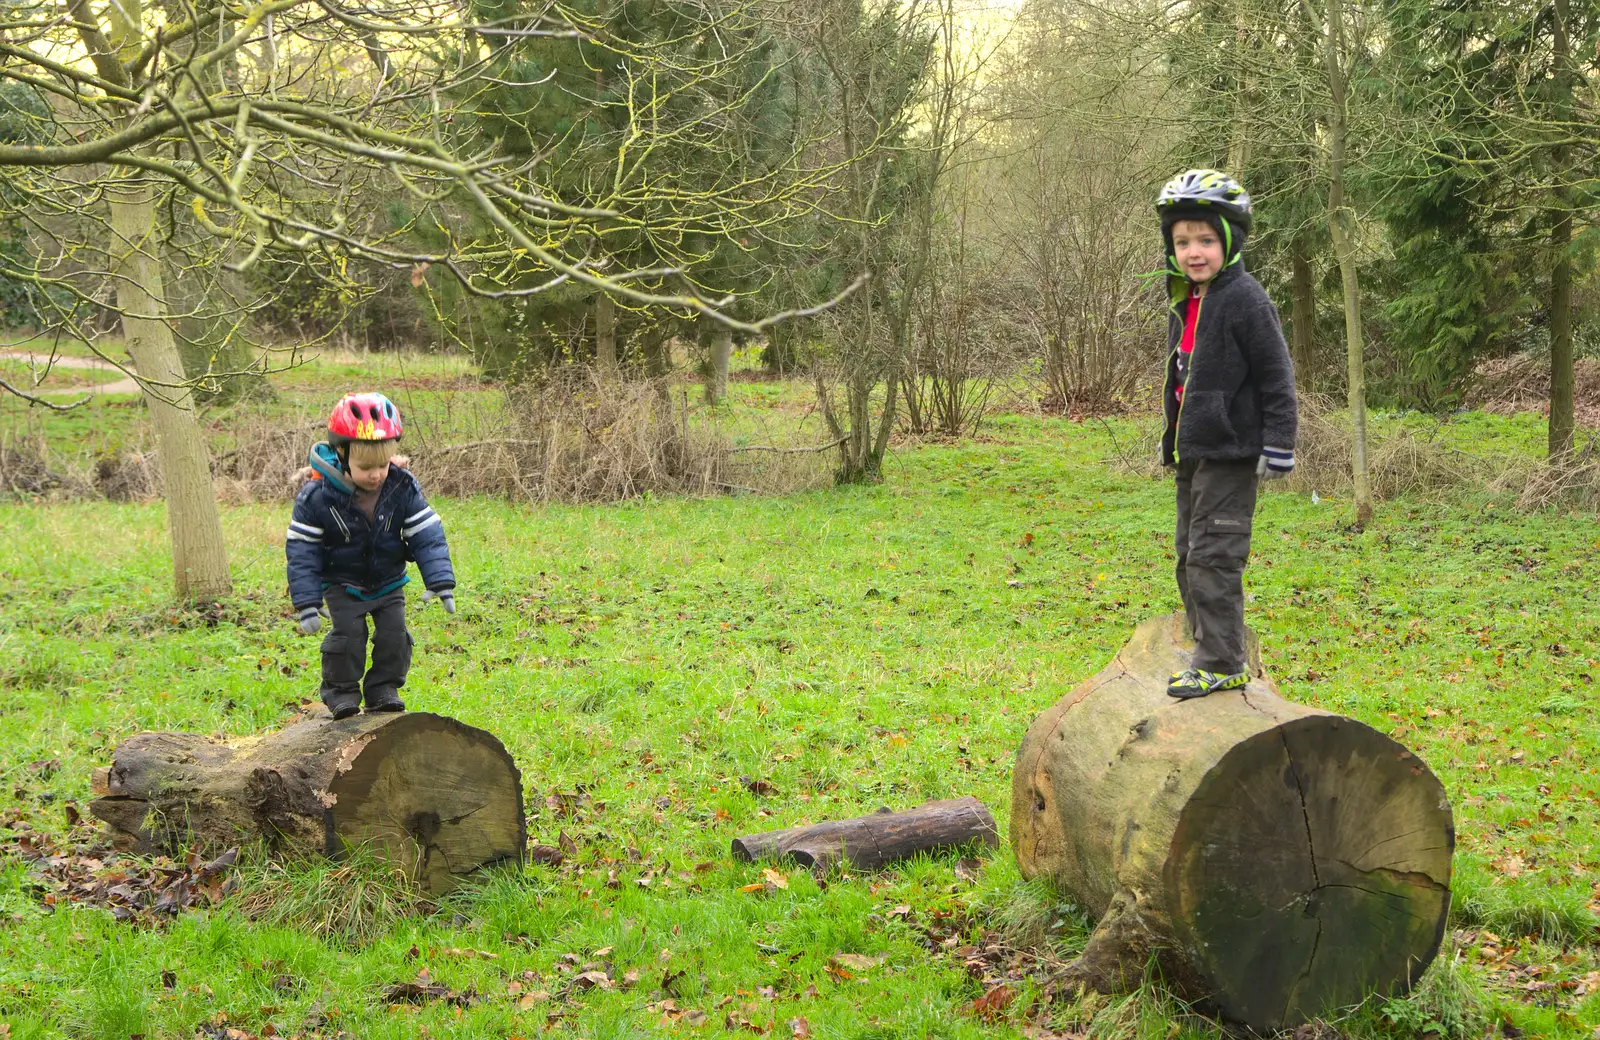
790,451
31,399
503,442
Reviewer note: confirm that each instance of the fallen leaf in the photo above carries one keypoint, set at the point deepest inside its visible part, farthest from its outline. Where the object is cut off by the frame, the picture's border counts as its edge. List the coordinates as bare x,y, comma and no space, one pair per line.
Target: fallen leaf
1510,866
760,788
799,1027
991,1006
549,855
858,961
776,878
968,869
422,991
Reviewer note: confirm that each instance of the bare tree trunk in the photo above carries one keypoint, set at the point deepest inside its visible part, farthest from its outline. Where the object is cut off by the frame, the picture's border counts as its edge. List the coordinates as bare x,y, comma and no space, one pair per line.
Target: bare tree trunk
1304,309
199,555
605,335
1561,374
717,376
1341,227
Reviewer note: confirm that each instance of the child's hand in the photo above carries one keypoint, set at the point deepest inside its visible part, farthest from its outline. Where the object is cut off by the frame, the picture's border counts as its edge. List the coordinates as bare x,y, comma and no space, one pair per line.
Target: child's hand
403,461
447,599
311,620
1275,463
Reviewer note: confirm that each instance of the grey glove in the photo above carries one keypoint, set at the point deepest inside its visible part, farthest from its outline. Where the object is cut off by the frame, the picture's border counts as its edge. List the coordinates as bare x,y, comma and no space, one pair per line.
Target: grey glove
311,620
447,599
1275,463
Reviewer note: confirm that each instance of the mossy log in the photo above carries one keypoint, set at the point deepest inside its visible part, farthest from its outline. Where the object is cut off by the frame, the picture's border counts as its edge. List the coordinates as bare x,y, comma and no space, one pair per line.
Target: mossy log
439,798
1276,860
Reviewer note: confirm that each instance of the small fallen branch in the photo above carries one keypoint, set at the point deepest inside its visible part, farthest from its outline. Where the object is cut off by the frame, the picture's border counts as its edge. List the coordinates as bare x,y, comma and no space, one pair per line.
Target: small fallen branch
869,842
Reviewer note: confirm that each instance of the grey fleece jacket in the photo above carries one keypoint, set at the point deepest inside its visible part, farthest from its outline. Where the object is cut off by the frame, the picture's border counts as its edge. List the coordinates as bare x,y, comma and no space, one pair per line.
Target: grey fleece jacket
1239,394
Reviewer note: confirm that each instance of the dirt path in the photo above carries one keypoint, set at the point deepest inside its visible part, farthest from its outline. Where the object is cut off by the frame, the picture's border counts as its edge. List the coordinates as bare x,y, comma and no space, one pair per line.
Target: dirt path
125,385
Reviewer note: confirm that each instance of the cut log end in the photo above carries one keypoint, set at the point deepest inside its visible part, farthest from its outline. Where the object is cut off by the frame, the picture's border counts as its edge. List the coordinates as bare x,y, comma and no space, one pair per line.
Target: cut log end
1311,869
436,797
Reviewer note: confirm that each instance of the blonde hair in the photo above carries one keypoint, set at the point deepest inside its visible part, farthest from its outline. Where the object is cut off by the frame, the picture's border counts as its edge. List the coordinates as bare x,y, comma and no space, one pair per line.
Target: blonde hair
371,454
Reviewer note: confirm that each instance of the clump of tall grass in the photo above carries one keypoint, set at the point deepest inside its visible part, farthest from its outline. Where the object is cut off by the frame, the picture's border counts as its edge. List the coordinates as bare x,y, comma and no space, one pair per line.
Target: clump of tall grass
353,900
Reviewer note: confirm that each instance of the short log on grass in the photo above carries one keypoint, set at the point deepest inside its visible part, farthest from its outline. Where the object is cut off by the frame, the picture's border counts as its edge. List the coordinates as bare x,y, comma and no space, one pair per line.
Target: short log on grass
869,842
1277,860
436,797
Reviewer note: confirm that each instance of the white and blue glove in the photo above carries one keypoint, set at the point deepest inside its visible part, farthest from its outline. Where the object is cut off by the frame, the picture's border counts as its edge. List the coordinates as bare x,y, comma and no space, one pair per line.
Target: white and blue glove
1275,463
447,599
311,620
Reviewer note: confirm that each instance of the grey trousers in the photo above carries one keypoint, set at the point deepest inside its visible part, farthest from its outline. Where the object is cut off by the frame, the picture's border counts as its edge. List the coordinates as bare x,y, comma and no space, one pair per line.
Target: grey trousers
344,649
1216,502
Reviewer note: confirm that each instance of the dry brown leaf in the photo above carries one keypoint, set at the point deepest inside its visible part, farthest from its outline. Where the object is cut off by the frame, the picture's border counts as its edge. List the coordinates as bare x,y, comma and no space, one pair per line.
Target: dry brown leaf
1510,866
858,961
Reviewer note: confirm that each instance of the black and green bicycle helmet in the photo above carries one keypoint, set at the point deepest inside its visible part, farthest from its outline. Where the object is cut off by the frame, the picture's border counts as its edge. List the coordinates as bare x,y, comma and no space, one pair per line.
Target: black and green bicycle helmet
1211,196
1199,192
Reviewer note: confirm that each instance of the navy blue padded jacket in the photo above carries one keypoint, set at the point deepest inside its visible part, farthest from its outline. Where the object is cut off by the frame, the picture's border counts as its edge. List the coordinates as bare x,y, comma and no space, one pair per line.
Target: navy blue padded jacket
331,541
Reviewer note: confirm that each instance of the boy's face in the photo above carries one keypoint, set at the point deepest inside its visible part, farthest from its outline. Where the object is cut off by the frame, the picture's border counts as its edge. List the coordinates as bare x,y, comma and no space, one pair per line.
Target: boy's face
1198,250
368,478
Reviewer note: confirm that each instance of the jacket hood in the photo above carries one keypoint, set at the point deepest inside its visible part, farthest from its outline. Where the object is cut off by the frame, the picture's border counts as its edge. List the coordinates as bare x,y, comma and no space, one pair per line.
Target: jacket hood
325,462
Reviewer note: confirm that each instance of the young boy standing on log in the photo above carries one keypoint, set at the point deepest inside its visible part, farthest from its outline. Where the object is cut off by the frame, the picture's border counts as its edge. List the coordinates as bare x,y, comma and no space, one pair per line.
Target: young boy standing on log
357,521
1230,412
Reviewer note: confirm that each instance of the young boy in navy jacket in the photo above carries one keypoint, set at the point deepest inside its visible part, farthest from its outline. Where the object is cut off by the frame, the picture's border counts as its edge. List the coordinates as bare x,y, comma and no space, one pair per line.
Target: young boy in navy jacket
1230,414
356,523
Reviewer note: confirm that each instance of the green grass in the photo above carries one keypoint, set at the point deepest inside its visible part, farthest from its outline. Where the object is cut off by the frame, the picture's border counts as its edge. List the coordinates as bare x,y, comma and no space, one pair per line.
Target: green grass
855,648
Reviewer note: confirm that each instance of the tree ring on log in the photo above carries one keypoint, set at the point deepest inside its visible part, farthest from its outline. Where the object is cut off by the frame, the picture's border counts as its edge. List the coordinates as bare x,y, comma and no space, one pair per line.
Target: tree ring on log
1309,860
410,790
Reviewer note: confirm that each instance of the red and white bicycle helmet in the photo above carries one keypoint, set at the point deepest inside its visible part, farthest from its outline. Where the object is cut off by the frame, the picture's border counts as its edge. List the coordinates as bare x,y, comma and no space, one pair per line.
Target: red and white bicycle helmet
363,417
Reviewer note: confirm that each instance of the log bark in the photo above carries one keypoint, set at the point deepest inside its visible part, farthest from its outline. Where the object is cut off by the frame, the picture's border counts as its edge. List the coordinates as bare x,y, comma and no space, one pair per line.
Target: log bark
437,797
869,842
1277,860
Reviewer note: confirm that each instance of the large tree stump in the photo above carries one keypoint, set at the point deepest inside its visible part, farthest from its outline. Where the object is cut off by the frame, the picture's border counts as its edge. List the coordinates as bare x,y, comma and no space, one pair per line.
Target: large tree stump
1278,860
869,842
435,796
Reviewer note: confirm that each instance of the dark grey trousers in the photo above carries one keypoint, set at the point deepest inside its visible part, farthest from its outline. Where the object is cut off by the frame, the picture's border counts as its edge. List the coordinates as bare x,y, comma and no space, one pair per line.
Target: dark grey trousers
344,649
1216,502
